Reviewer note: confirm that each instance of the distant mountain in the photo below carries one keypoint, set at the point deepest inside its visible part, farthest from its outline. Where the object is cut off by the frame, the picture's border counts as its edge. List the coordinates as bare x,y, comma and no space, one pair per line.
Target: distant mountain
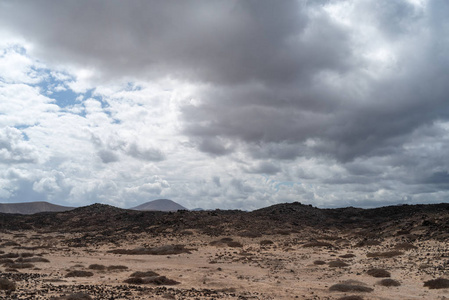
28,208
160,205
198,209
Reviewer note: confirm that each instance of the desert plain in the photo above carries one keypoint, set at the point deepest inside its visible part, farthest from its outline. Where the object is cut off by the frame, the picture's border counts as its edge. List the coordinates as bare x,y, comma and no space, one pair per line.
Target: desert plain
286,251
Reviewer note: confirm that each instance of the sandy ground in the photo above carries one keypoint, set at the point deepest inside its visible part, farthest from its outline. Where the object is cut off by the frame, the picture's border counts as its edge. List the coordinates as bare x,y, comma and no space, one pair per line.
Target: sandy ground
220,269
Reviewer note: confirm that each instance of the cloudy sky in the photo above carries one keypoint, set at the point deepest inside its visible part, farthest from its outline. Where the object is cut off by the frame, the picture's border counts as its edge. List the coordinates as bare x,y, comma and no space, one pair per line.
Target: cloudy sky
224,104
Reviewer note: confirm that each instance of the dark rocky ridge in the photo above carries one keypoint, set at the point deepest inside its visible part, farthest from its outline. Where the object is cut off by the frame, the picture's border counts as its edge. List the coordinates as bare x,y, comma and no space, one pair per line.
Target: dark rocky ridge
424,221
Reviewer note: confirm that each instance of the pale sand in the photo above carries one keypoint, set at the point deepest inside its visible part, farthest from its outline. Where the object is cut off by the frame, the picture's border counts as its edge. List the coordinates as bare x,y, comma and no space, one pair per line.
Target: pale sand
284,270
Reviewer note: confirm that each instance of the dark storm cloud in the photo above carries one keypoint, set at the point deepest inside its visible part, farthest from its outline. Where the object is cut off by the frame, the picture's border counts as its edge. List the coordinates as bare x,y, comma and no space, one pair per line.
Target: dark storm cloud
214,146
147,153
264,167
366,115
226,41
107,156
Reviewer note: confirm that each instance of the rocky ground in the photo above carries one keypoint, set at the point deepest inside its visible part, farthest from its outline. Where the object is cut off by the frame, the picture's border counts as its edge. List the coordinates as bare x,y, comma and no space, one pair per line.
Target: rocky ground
287,251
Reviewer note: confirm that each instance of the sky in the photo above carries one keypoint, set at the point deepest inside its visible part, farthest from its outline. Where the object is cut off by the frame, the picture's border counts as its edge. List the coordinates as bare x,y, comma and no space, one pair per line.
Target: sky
224,104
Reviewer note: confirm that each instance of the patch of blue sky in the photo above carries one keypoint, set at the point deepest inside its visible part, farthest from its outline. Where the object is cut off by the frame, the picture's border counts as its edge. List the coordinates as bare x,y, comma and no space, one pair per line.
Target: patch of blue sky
104,103
58,90
132,86
16,48
289,184
21,128
278,184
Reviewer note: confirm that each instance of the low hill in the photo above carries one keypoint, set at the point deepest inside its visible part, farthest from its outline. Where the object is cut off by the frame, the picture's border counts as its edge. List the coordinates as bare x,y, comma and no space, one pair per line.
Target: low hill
160,205
28,208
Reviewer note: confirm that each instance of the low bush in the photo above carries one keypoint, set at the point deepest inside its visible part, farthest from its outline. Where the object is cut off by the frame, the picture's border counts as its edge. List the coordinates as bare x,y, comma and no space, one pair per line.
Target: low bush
117,268
10,255
439,283
378,273
342,287
77,296
79,273
20,265
349,255
389,282
156,280
163,250
33,259
405,246
235,244
318,244
350,298
144,274
337,264
7,285
387,254
97,267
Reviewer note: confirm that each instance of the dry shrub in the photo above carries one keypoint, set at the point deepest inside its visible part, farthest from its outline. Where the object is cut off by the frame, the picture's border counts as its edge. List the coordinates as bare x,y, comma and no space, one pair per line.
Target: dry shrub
26,254
235,244
342,287
337,264
144,274
226,240
387,254
134,280
77,296
353,297
439,283
389,282
20,265
319,262
379,273
367,243
161,280
403,232
7,285
266,242
97,267
33,259
163,250
11,270
117,268
156,280
283,232
318,244
405,246
8,244
216,243
6,261
10,255
349,255
328,238
79,273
